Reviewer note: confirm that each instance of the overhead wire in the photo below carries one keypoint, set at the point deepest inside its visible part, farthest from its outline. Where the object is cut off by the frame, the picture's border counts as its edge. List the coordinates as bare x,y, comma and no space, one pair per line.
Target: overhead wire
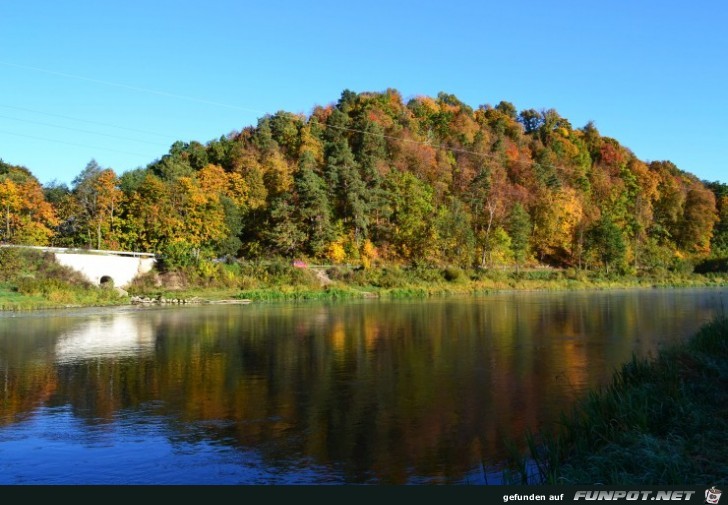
129,87
80,130
247,109
75,144
99,123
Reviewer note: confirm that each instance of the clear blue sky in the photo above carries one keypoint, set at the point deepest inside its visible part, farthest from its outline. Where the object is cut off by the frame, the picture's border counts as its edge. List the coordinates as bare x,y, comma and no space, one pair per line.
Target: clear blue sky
120,81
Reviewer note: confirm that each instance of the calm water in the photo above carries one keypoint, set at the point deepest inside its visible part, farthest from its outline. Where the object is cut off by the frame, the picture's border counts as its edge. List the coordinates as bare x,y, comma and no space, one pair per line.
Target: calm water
370,391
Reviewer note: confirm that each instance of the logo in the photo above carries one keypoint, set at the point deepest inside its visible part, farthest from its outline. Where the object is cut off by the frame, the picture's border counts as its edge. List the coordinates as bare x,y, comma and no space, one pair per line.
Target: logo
712,496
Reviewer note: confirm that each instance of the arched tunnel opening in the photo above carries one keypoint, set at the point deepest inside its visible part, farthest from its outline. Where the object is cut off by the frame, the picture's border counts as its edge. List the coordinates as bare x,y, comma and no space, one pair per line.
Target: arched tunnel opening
106,281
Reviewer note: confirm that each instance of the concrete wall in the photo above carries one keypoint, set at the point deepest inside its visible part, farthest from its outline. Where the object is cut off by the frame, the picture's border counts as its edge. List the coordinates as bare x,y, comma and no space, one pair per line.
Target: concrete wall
121,269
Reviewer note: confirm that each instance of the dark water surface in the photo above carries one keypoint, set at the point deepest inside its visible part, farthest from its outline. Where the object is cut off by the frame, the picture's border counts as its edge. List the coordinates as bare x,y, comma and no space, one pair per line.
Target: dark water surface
371,391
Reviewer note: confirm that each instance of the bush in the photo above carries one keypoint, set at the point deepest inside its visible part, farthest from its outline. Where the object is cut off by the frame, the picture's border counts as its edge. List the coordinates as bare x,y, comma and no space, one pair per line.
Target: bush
540,275
713,265
682,266
388,277
341,273
453,274
423,273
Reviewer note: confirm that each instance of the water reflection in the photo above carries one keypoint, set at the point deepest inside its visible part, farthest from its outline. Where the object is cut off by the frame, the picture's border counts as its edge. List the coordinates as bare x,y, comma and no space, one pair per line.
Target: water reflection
112,336
413,391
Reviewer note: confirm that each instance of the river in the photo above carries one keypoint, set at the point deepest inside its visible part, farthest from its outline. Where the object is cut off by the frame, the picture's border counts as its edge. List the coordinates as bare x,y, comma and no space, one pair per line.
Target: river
371,391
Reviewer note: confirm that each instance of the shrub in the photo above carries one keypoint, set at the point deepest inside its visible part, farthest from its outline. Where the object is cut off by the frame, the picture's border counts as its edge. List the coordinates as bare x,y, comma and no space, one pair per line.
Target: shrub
453,274
712,265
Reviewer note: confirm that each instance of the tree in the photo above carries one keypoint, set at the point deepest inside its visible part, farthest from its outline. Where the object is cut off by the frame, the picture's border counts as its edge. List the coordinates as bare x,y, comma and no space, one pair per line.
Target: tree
507,108
313,208
500,250
454,238
11,202
668,208
519,228
97,193
699,218
531,120
347,189
556,218
173,165
605,241
411,231
719,242
487,199
199,216
148,216
282,232
27,218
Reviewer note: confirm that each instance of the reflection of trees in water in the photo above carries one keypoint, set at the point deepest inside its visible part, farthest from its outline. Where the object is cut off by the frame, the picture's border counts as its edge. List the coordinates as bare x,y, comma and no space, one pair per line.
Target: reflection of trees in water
27,376
377,390
23,394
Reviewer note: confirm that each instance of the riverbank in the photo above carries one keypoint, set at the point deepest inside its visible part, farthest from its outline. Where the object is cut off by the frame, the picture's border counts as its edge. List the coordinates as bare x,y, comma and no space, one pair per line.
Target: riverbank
661,421
30,280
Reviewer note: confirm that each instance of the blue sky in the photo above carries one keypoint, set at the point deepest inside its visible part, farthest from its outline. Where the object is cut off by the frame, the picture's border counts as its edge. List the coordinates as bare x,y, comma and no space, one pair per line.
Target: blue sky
119,82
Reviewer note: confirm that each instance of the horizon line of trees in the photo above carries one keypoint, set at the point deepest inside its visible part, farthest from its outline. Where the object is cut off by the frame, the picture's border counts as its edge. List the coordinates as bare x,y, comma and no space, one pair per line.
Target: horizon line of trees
372,178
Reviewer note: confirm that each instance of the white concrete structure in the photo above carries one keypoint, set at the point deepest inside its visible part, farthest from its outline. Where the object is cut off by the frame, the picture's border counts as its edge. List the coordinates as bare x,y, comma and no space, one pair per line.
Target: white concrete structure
100,268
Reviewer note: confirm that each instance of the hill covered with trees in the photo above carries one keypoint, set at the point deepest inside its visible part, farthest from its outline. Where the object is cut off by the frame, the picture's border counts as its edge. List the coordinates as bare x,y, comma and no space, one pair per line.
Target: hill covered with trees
373,179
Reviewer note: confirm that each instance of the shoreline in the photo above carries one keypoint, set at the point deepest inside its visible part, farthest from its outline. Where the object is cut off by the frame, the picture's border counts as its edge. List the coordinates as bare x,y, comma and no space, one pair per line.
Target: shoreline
195,296
655,423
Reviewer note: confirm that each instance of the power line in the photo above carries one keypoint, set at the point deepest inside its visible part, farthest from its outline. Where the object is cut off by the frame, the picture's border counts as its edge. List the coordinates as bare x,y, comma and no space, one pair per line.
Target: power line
221,104
80,130
146,156
99,123
494,156
398,139
131,88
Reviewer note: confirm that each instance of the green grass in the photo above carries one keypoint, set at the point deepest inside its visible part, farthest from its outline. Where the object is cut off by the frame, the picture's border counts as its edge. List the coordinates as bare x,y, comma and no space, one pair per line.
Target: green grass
32,280
298,293
661,421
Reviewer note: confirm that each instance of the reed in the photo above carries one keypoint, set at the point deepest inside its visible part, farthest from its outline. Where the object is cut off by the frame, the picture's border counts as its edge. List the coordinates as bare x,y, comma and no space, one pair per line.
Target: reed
659,422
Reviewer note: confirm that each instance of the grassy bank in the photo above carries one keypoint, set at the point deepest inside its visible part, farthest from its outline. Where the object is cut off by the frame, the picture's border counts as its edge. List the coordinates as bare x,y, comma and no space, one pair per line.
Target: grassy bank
661,421
279,280
31,280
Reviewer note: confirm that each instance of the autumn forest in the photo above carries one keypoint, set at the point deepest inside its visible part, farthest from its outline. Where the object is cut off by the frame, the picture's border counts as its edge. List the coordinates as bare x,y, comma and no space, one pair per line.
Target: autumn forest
374,179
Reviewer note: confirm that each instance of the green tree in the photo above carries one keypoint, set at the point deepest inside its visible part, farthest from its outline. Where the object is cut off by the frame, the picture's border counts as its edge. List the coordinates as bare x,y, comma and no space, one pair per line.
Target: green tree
348,191
719,242
175,164
519,229
313,207
531,120
454,238
98,195
282,232
411,231
605,240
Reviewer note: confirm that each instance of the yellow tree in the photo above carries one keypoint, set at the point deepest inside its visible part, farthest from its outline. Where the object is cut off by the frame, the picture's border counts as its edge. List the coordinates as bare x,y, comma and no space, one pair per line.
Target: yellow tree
28,217
277,173
556,216
699,218
148,215
10,199
214,180
200,218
